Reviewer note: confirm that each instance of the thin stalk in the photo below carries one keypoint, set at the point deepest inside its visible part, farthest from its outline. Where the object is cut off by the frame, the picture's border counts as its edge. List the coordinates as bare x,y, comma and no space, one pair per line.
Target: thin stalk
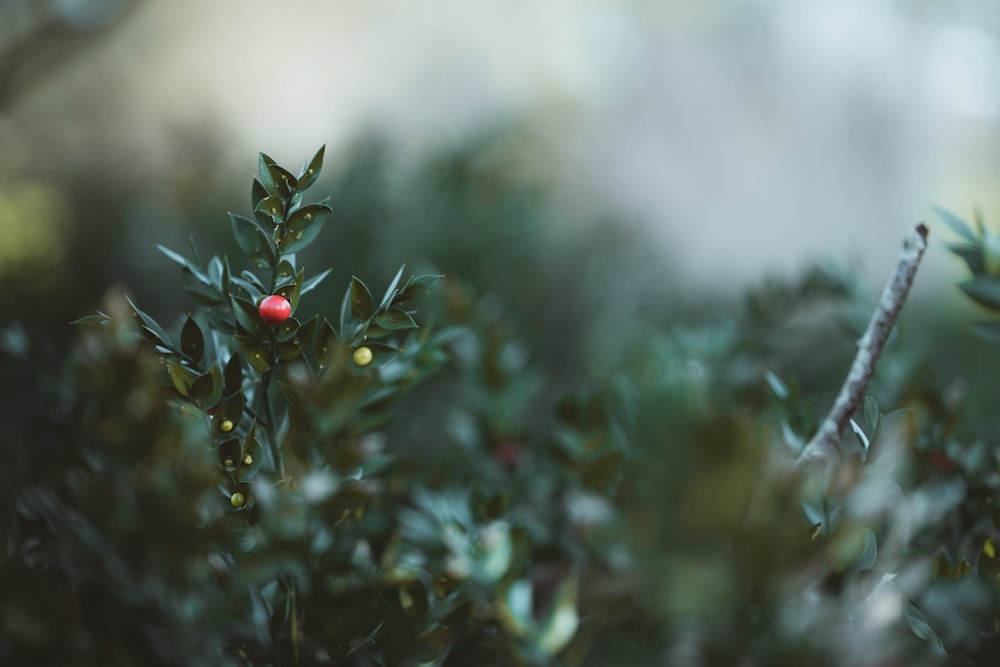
824,444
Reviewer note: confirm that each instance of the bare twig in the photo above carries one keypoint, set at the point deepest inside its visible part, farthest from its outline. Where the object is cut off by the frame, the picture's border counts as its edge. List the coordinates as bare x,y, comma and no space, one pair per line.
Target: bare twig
870,346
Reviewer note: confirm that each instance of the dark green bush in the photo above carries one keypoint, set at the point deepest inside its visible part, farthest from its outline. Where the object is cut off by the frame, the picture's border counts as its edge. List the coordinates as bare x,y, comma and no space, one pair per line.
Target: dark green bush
367,485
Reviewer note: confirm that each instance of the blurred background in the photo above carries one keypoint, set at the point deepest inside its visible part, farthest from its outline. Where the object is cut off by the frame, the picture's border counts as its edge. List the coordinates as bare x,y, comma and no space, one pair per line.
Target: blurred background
643,156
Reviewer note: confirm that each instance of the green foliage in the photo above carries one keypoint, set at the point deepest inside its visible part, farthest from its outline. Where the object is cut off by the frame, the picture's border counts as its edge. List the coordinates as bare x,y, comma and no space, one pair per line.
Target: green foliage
365,484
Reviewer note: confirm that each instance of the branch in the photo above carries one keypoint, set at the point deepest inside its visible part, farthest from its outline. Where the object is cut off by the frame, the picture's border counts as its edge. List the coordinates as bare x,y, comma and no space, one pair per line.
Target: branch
824,443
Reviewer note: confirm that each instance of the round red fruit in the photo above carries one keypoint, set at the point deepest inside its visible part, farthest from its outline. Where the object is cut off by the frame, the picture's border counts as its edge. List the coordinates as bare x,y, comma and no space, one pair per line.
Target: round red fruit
274,309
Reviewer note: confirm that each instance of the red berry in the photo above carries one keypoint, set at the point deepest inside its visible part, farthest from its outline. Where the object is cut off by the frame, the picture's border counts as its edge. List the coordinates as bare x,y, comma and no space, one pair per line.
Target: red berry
274,309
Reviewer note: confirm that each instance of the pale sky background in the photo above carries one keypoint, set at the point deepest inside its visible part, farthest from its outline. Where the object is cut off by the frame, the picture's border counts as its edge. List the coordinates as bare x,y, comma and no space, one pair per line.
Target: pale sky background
751,135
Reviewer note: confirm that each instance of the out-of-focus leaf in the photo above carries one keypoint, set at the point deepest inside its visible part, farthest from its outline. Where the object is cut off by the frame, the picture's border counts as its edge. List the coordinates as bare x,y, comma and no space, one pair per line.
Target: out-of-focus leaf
778,386
984,290
182,377
920,626
957,225
871,413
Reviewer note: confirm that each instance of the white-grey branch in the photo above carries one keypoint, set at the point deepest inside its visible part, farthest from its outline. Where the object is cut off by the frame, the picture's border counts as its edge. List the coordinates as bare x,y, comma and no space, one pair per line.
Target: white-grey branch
824,444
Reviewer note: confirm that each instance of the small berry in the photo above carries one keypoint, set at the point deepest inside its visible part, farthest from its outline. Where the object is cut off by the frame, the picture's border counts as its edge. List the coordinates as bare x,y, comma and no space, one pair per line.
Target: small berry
363,356
274,309
247,460
228,463
236,500
226,426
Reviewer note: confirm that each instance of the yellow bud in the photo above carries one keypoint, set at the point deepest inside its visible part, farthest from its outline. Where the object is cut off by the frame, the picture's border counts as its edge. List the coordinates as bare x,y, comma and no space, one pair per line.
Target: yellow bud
363,356
236,500
228,462
247,460
226,426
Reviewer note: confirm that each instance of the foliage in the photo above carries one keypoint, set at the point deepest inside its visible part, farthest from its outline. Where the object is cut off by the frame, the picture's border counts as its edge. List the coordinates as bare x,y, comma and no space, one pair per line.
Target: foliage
220,491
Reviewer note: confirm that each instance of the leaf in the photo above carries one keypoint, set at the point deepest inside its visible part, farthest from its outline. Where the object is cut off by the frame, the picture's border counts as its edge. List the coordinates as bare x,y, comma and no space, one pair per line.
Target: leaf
292,290
297,239
957,225
277,181
862,438
207,389
972,255
326,338
415,288
778,386
100,318
988,330
390,292
395,319
247,316
151,330
252,240
182,377
919,625
871,413
361,300
307,216
984,290
192,340
310,172
233,374
257,193
184,262
230,409
254,352
272,207
313,282
869,552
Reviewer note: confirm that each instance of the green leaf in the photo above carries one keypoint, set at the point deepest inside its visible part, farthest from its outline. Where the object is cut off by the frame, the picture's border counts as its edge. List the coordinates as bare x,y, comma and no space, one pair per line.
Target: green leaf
312,283
257,193
230,410
778,386
307,216
247,316
920,626
292,290
326,338
988,330
304,226
277,181
972,255
310,172
415,288
207,389
100,318
984,290
185,263
395,319
192,340
182,377
362,305
869,552
149,327
255,352
233,375
957,225
252,240
390,292
871,413
272,208
229,454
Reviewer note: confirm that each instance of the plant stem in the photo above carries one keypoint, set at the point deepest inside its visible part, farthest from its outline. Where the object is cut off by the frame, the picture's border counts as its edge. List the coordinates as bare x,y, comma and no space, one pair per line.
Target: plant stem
823,445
